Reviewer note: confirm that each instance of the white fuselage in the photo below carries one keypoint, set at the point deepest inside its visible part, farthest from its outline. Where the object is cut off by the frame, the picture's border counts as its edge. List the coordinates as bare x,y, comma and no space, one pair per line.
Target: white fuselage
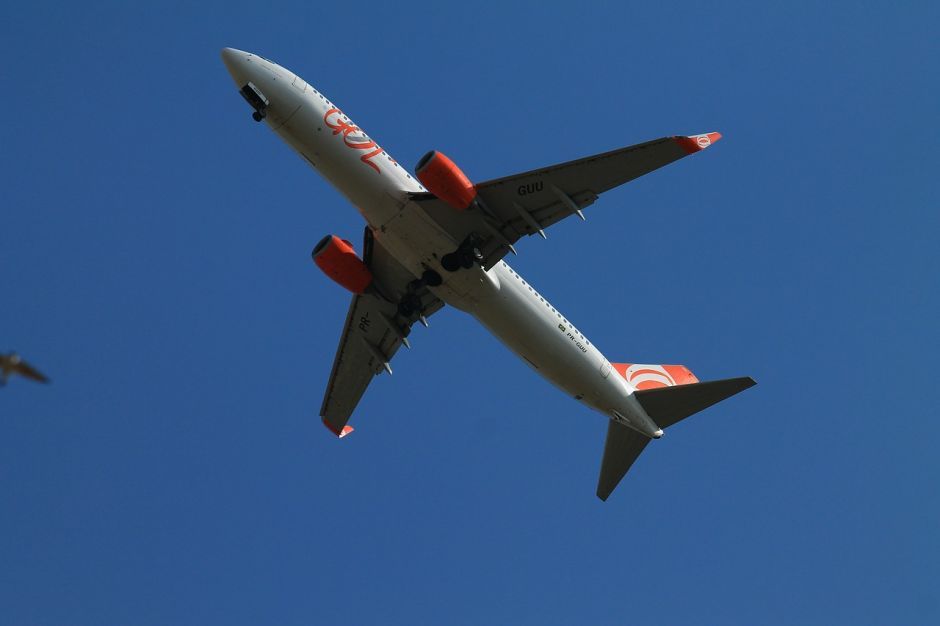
378,187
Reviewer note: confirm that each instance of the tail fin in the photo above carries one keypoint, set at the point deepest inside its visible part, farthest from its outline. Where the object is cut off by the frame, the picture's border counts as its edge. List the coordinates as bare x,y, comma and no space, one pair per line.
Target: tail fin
666,402
644,376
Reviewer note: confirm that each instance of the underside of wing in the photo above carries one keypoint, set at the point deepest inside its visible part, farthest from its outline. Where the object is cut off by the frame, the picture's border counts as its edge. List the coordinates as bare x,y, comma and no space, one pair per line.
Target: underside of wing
506,209
376,326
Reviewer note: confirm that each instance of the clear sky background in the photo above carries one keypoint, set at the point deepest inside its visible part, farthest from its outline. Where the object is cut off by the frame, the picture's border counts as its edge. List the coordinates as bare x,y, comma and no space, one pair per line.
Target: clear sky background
154,261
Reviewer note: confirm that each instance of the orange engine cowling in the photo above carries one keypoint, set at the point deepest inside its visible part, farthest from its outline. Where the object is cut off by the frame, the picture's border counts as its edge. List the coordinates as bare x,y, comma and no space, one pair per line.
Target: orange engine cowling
445,180
340,262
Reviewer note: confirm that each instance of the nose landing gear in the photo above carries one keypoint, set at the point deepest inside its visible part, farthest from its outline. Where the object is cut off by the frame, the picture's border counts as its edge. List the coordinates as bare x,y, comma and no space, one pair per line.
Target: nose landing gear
256,99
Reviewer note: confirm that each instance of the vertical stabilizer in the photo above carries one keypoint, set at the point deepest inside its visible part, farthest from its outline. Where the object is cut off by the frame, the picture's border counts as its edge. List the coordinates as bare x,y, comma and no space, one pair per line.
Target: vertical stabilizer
647,376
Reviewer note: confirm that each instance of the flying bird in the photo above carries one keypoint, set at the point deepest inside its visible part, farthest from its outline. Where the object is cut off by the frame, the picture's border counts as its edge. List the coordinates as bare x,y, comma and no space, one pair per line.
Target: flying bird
13,363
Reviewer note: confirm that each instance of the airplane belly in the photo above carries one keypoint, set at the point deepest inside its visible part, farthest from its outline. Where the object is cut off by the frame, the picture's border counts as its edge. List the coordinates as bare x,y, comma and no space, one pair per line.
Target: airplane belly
544,341
419,242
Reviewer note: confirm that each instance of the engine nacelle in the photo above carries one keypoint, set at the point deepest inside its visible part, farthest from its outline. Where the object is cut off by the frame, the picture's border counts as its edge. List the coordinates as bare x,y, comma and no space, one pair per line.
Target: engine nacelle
338,260
444,179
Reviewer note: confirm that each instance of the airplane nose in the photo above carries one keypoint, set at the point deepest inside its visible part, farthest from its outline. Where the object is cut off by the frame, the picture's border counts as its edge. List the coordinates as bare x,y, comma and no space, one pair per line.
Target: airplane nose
236,62
272,91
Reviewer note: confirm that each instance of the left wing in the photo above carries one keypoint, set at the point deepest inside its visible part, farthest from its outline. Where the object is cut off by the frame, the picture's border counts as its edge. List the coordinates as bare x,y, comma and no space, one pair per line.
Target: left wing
375,328
506,209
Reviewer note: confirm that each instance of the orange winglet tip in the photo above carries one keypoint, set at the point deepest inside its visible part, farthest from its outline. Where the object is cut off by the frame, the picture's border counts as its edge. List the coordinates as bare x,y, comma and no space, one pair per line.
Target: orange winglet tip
694,143
339,433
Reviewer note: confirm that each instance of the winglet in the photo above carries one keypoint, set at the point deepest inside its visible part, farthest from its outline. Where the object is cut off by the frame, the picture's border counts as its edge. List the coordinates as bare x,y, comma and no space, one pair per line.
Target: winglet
694,143
345,430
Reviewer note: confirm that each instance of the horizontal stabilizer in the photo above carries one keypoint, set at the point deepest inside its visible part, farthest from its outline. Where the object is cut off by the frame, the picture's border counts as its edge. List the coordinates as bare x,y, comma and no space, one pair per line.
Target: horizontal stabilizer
668,405
621,449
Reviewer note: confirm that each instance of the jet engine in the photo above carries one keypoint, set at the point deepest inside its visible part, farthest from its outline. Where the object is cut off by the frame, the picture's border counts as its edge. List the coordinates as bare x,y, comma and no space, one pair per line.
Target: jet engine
338,260
444,179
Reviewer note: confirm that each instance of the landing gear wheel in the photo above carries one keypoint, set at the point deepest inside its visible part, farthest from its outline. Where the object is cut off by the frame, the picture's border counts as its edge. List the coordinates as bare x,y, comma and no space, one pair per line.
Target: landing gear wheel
431,278
465,256
404,310
257,116
466,259
450,262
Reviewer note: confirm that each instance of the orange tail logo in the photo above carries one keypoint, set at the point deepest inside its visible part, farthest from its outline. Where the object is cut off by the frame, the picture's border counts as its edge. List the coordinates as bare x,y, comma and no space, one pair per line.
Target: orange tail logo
644,376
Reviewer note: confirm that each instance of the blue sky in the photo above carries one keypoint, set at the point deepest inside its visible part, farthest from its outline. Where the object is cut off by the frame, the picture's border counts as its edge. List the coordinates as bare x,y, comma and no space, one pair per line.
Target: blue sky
154,246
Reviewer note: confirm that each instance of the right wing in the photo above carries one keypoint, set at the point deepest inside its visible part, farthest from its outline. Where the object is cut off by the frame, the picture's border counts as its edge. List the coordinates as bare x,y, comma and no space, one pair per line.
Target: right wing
374,330
527,203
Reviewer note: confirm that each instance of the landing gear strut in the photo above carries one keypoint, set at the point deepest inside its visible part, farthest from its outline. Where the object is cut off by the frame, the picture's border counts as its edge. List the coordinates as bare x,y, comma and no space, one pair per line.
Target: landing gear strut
410,303
463,257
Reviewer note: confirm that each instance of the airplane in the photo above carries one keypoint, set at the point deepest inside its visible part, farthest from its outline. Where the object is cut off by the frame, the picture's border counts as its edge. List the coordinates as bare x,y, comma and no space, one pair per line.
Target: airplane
436,238
12,363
